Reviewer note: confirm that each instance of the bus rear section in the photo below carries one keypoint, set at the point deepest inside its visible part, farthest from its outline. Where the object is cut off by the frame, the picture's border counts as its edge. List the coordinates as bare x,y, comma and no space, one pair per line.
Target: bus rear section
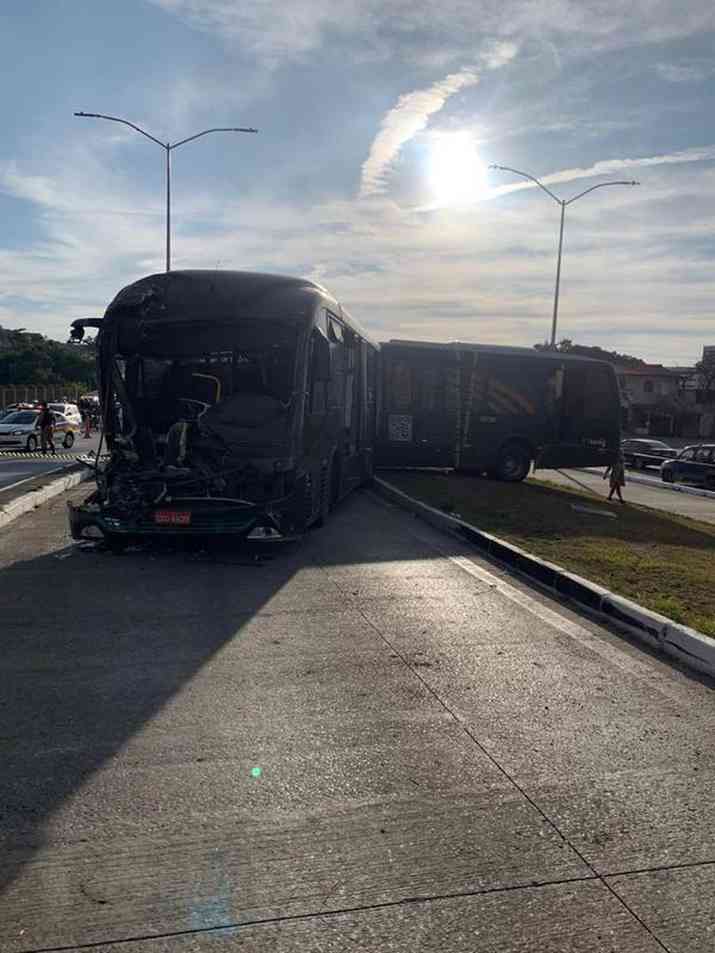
495,410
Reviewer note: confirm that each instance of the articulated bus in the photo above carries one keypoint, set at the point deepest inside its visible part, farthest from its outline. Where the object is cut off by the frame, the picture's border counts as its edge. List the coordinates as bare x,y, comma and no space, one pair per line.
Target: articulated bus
493,409
232,403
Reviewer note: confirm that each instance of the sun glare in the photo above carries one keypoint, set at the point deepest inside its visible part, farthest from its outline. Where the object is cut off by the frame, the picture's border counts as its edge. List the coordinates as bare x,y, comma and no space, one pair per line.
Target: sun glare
457,174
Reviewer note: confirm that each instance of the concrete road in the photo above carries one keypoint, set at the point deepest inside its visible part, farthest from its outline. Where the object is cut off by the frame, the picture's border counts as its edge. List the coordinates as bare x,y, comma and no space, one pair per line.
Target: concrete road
373,741
16,465
656,496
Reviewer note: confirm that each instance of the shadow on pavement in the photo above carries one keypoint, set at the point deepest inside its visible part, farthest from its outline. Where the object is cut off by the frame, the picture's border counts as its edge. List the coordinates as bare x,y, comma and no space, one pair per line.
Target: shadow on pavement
95,645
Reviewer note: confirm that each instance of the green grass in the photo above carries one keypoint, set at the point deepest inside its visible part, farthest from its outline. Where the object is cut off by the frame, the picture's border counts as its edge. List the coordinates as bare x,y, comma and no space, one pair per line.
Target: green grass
661,561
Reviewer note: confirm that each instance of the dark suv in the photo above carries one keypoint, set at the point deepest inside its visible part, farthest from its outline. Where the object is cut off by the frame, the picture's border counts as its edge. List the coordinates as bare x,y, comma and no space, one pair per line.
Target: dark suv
693,465
641,453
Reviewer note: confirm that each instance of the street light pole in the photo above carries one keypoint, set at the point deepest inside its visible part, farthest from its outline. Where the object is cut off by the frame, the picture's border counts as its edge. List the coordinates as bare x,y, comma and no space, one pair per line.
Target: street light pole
558,277
168,147
562,203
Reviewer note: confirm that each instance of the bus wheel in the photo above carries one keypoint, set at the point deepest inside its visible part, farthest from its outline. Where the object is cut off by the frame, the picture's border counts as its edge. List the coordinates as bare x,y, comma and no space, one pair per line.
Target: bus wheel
514,463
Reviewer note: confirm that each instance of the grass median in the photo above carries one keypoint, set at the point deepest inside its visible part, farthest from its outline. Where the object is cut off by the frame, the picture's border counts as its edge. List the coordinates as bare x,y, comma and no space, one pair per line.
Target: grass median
662,561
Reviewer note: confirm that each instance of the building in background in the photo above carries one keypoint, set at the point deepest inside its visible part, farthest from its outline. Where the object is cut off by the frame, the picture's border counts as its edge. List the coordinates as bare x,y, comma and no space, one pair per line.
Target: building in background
663,401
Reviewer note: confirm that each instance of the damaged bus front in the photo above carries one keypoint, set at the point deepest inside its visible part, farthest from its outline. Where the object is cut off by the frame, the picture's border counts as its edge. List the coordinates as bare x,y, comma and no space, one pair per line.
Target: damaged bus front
202,378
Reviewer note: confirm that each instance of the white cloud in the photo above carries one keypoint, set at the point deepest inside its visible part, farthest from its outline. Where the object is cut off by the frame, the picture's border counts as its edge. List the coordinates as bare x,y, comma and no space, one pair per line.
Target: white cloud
405,120
636,267
614,166
413,111
603,167
277,33
684,72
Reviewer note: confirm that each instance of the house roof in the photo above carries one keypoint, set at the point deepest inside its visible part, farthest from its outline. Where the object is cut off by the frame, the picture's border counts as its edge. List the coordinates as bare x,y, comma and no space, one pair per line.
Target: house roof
648,370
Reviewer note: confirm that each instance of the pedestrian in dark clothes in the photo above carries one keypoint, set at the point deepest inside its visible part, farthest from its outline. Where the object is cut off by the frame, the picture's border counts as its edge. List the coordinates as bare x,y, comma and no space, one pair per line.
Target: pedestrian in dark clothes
46,421
617,473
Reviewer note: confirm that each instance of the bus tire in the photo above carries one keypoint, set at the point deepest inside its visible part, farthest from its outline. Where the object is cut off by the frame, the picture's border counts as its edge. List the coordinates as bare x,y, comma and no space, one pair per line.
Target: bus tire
513,463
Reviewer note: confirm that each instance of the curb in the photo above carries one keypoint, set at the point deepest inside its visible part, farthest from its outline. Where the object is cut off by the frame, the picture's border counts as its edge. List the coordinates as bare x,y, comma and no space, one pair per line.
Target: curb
671,487
693,649
34,498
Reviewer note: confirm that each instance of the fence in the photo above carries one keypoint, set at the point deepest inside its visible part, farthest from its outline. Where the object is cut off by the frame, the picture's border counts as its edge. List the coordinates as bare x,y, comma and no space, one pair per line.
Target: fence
14,394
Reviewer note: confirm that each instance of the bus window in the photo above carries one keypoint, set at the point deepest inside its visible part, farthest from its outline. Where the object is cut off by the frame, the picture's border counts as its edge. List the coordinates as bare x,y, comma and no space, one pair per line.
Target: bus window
399,396
599,389
335,330
318,388
350,346
428,397
514,386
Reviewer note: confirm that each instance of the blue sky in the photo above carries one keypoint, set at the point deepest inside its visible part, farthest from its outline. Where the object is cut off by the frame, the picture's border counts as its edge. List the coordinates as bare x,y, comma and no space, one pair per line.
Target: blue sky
377,122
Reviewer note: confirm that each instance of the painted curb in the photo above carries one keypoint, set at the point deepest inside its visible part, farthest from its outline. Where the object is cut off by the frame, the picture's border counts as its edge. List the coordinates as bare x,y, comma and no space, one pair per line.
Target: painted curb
693,649
34,498
670,487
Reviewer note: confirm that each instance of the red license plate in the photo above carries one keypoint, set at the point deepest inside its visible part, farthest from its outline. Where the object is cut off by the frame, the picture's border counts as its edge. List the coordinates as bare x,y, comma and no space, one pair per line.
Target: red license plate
172,517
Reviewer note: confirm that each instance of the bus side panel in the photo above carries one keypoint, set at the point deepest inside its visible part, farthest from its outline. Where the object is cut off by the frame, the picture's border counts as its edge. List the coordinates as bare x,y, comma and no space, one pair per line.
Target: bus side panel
419,418
506,399
589,431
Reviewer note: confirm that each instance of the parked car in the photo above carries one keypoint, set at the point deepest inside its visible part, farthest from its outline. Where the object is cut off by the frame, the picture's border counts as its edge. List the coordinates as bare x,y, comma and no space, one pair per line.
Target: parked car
693,465
71,411
641,453
21,430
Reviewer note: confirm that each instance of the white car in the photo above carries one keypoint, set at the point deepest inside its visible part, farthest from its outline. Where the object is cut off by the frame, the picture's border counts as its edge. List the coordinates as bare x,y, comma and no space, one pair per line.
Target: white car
21,430
71,411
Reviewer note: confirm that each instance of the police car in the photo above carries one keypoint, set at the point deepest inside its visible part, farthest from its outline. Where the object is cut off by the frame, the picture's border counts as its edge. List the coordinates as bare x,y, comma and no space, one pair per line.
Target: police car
21,430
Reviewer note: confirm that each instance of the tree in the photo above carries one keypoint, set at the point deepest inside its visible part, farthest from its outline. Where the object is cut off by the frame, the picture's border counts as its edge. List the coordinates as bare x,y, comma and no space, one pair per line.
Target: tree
32,359
567,346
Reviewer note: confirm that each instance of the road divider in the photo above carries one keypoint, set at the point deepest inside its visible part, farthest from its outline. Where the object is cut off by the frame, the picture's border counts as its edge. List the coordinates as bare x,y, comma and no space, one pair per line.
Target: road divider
693,649
31,498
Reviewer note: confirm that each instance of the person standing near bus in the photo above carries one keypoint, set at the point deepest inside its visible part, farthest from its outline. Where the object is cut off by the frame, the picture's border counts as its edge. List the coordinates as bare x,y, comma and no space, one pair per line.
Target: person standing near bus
45,421
617,473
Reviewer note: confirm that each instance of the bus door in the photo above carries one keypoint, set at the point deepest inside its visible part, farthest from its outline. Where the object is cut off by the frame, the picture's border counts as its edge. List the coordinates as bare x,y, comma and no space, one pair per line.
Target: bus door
420,407
588,432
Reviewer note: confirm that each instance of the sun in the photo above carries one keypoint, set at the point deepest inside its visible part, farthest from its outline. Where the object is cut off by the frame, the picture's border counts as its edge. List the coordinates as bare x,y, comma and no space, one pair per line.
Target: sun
456,173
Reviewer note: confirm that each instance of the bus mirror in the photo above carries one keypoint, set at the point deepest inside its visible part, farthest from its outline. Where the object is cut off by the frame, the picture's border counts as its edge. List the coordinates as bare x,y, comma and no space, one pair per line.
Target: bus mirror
321,357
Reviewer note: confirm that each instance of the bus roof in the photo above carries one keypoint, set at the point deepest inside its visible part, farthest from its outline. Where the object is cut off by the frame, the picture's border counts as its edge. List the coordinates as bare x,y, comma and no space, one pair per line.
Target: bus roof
504,349
197,294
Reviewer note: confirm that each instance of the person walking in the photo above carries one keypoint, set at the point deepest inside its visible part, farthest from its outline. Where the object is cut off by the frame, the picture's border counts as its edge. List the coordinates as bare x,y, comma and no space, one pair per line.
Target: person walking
46,428
617,473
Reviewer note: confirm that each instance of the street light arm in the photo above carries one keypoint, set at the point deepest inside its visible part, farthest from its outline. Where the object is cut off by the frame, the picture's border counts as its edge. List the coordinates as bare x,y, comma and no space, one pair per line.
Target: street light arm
181,142
505,168
599,186
124,122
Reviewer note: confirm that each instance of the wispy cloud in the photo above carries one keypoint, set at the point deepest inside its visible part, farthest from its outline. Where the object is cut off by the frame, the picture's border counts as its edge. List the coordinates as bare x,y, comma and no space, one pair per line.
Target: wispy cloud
614,166
483,274
405,120
276,33
413,111
684,72
603,167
